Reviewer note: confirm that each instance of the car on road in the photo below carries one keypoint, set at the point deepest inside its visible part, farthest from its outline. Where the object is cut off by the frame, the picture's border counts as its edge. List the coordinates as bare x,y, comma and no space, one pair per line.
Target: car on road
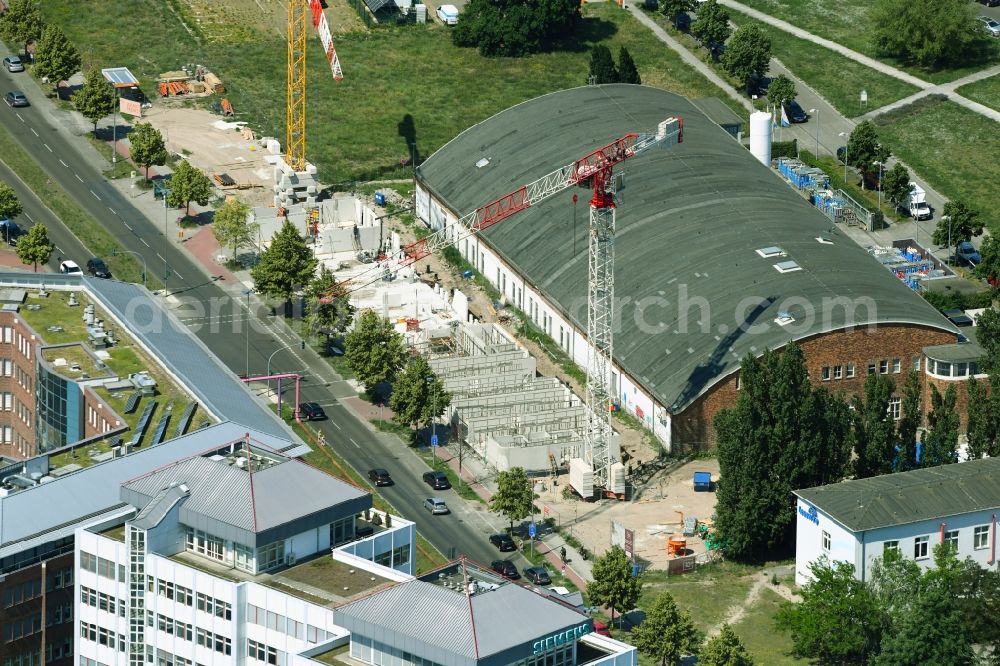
505,568
10,231
379,477
311,411
795,112
15,98
13,64
989,3
991,25
97,268
537,575
437,480
966,253
503,542
69,267
448,14
436,505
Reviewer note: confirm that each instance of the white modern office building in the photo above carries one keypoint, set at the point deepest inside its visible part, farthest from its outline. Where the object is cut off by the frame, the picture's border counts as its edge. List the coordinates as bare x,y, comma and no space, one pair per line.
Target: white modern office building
235,556
909,512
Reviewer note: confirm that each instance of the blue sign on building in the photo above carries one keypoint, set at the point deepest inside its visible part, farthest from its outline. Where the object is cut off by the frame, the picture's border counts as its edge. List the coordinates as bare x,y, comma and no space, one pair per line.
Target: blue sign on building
810,514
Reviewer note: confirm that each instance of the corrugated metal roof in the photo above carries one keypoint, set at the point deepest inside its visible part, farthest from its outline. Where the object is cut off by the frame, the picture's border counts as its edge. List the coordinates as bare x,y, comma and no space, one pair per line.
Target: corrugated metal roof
156,510
500,619
689,221
909,497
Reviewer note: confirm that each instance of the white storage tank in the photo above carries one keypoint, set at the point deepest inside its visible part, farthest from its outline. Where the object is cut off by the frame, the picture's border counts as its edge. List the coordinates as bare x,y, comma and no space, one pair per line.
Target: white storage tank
761,131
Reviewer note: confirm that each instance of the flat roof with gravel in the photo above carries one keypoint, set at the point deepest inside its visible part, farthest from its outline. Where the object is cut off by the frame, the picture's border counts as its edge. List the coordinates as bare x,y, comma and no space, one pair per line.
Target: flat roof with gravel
693,292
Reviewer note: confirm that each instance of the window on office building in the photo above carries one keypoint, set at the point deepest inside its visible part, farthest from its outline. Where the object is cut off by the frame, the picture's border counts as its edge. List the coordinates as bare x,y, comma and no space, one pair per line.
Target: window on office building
920,547
890,547
850,370
826,542
951,540
897,366
981,537
894,408
825,373
838,372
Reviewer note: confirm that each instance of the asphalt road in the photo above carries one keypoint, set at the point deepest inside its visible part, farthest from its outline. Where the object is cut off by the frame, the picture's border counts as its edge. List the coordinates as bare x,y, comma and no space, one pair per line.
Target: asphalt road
217,313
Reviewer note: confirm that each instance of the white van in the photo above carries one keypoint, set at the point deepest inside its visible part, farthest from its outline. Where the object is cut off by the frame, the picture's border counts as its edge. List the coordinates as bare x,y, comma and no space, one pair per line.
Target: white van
448,14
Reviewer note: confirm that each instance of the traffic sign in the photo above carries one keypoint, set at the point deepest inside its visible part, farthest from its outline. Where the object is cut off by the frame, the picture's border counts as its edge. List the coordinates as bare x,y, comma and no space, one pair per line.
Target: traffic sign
531,530
434,440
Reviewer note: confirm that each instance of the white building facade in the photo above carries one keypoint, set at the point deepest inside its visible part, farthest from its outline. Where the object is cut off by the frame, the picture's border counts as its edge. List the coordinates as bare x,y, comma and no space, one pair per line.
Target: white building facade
859,521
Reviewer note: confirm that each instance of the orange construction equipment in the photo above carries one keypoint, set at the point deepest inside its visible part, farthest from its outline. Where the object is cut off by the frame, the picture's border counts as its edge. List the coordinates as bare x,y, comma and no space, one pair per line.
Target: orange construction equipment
227,108
676,544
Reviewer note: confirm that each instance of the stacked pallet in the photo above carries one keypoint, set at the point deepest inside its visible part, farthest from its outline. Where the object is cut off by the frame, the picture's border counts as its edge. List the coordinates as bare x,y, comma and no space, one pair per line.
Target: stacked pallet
214,84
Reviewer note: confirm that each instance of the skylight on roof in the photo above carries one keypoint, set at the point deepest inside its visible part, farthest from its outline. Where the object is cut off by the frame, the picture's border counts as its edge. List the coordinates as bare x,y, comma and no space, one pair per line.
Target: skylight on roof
784,319
483,162
787,267
772,251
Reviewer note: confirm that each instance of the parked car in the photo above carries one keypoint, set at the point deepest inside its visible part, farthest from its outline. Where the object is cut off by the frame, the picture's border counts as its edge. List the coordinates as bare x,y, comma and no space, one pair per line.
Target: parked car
795,112
967,253
991,25
10,231
97,268
436,505
437,480
505,568
69,267
13,64
503,542
15,98
989,3
311,411
601,629
379,477
683,22
448,14
537,575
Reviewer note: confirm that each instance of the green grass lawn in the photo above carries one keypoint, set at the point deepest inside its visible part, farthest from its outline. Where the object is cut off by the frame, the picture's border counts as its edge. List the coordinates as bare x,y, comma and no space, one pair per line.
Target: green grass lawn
955,149
763,641
398,82
985,92
707,593
838,79
846,22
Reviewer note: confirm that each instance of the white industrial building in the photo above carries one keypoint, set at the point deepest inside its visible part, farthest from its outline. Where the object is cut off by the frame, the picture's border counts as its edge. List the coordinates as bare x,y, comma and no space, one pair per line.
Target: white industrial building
909,512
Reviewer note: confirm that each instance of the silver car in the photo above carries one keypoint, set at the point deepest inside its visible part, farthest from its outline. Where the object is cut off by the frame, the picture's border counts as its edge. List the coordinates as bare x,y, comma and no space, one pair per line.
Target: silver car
13,64
991,25
436,505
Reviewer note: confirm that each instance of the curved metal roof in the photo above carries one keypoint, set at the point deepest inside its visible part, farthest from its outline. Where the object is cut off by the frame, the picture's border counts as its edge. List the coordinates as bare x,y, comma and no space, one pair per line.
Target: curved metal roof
694,295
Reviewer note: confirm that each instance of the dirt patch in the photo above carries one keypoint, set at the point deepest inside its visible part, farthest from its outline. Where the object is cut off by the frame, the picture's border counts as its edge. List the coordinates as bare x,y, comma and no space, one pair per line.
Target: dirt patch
236,21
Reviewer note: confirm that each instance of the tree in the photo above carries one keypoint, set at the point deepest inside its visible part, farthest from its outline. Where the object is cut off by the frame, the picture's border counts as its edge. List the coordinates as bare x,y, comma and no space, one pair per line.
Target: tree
864,149
514,498
781,435
34,247
667,633
726,649
711,25
602,65
989,268
329,311
933,34
988,336
748,53
10,205
147,147
874,430
189,184
22,22
418,395
614,586
983,426
896,184
286,266
909,423
627,71
673,8
781,90
958,223
839,620
56,57
940,443
96,99
232,227
514,28
374,350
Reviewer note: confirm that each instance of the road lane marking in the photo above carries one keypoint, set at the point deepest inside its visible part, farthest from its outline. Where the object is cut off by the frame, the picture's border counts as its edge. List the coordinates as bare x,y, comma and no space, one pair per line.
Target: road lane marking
95,195
112,210
126,225
47,147
176,273
33,131
354,443
144,242
60,250
335,425
19,116
160,258
63,163
80,179
31,219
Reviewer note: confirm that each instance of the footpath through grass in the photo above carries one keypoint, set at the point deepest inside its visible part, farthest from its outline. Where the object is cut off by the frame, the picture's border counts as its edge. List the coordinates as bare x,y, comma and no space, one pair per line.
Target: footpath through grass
846,22
985,92
400,84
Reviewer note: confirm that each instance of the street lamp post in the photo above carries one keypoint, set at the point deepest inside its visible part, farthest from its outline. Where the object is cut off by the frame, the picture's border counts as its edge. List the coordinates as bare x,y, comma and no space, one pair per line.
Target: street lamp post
879,163
816,111
114,253
166,266
247,293
948,217
433,383
846,146
269,373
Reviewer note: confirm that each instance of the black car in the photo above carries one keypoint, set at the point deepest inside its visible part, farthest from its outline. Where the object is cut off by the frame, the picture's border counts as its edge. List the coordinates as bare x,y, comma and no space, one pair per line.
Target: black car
97,268
379,477
311,411
795,112
10,231
437,480
537,575
505,568
503,542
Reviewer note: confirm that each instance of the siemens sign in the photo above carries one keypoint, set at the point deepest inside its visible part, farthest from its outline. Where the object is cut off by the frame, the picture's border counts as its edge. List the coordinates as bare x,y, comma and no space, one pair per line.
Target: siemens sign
809,514
562,637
